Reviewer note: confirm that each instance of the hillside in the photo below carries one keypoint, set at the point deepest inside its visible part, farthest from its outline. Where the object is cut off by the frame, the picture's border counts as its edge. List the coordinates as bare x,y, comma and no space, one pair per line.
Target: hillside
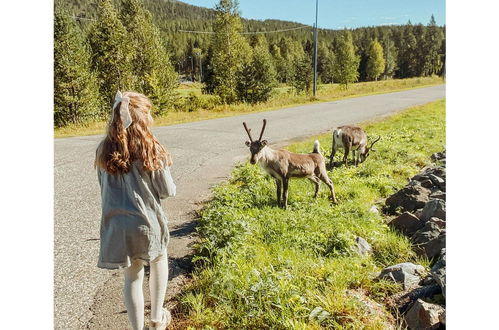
173,16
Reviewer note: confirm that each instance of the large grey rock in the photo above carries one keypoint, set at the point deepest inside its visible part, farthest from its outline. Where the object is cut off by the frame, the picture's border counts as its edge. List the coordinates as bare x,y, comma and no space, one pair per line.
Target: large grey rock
362,247
438,271
429,240
409,198
408,274
423,315
429,232
407,223
434,208
434,247
437,181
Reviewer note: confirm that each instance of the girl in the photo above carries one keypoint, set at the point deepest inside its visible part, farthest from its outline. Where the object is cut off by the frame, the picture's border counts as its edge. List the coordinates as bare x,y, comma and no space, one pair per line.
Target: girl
133,172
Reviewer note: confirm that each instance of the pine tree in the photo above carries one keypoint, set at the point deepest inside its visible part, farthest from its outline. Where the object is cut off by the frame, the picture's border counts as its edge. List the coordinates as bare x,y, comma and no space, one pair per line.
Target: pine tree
112,52
408,60
325,63
390,54
230,50
432,46
258,77
155,75
303,74
375,61
279,63
76,96
347,62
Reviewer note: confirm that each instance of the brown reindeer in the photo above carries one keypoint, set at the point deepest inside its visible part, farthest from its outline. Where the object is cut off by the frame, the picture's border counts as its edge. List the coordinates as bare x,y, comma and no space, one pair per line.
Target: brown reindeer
351,138
283,165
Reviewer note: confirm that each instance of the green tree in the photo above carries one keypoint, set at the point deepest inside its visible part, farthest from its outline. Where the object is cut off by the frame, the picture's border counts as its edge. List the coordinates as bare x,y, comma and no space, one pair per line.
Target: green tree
325,63
390,54
151,65
347,62
258,77
279,63
230,50
376,60
433,59
303,74
112,52
76,96
408,53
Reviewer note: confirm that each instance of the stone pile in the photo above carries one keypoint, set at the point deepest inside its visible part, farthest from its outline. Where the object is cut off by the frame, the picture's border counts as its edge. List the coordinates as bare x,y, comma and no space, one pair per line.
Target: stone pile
420,214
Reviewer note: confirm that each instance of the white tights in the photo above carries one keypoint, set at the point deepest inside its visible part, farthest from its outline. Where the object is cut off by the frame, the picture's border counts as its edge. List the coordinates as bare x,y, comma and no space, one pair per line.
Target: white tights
134,297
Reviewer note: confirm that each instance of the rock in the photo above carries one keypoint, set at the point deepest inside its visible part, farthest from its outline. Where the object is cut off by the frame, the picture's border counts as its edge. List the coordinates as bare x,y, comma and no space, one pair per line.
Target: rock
429,232
434,247
438,271
408,274
418,213
409,198
429,240
362,247
438,155
434,208
427,183
437,181
423,315
407,223
439,222
437,195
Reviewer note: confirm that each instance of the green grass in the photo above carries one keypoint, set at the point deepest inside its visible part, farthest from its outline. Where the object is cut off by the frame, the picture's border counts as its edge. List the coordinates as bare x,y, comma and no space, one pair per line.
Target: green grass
261,267
192,105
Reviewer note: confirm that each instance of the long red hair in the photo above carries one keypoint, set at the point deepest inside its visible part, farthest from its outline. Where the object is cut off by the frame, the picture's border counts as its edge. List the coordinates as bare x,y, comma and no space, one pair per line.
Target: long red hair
121,146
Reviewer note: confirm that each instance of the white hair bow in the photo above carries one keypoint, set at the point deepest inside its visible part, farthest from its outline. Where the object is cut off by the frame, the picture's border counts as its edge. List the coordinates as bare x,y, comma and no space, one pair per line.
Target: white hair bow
126,118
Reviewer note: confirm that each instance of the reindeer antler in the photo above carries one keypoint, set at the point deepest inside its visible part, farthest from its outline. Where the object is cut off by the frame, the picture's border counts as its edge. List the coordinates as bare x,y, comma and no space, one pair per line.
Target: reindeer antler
263,129
370,147
248,131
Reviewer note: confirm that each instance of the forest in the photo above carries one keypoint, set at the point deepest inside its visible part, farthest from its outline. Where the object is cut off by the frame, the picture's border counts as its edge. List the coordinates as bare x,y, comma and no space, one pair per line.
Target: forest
101,46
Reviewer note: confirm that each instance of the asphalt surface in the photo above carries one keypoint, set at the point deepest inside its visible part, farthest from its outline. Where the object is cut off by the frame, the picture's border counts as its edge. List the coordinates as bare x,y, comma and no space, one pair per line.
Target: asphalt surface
87,297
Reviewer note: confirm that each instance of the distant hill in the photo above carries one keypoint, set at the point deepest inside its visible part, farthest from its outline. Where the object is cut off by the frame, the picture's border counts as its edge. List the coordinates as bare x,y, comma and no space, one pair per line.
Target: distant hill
172,16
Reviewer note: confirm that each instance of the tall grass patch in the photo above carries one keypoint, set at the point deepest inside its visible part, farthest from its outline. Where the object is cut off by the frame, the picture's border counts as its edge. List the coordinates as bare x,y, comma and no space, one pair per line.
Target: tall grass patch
261,267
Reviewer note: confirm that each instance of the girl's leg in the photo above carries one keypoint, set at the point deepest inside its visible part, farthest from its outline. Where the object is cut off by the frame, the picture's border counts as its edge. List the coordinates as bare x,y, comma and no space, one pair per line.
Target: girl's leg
134,297
158,280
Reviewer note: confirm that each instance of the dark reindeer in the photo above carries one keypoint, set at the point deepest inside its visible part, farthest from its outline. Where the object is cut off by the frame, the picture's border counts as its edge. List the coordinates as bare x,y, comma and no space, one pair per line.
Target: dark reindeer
283,165
349,138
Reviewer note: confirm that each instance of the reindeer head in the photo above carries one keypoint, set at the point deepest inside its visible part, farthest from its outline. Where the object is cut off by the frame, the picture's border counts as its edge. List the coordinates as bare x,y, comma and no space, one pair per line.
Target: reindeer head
255,146
365,154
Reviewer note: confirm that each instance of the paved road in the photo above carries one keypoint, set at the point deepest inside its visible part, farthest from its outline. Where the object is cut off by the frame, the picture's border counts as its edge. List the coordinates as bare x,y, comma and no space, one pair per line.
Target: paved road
203,153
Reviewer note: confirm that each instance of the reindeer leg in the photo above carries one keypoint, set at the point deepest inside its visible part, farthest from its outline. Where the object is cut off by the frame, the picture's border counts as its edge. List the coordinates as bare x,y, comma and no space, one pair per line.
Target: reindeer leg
315,181
331,157
345,157
278,184
324,178
285,182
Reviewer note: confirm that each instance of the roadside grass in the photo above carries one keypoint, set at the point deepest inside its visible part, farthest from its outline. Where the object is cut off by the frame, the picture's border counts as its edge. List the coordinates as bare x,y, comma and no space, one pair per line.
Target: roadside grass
192,105
261,267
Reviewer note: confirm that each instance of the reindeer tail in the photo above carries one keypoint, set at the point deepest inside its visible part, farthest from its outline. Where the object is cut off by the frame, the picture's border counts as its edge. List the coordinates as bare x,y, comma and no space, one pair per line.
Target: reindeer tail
317,147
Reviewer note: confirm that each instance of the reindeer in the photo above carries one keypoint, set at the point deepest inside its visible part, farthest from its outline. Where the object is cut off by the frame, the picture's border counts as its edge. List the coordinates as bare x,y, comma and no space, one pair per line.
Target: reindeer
349,137
283,165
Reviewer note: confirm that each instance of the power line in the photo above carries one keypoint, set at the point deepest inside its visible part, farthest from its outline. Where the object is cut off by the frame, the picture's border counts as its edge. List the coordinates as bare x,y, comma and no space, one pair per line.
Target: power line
252,32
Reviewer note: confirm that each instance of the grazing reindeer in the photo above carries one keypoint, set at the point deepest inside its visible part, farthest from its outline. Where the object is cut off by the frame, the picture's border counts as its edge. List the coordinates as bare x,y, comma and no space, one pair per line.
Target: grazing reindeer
348,138
283,165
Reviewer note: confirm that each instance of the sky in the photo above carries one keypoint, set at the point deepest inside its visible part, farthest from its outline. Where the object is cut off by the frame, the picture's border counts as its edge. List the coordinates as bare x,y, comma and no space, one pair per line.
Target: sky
338,14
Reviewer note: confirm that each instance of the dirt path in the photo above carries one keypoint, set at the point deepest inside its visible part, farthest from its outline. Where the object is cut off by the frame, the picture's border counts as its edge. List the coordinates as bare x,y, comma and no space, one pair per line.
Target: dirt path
204,152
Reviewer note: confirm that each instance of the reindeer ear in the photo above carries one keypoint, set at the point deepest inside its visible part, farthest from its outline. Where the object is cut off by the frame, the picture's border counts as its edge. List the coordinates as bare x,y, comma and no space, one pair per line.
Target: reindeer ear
248,143
264,142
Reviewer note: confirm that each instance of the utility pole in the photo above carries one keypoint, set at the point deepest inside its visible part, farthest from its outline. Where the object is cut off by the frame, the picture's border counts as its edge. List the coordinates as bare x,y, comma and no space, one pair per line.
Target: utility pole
315,46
